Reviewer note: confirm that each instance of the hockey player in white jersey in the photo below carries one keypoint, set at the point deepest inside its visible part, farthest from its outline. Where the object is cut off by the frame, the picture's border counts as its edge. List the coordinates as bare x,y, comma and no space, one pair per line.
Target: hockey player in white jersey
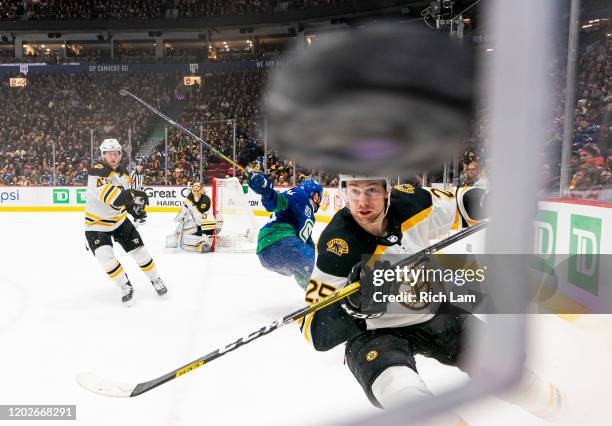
368,100
196,223
109,200
379,222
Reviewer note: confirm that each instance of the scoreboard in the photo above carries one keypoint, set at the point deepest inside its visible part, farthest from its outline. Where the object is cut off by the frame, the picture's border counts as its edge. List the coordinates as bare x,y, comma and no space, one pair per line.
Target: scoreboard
18,82
190,80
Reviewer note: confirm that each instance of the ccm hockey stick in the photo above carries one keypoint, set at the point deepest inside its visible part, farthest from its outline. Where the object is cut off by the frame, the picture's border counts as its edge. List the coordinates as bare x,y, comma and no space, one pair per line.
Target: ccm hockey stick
95,384
125,92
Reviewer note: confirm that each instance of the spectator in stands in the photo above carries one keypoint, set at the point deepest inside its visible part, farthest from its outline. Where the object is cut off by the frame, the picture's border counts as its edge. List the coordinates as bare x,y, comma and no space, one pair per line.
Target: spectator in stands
583,182
591,155
585,133
606,175
472,173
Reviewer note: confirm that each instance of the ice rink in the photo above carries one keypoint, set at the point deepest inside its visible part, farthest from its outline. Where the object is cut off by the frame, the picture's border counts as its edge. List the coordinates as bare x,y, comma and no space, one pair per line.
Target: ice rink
60,315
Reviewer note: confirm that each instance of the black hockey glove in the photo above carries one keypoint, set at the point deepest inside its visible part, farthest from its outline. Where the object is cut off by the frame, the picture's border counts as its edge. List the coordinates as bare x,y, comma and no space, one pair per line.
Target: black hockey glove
138,200
368,301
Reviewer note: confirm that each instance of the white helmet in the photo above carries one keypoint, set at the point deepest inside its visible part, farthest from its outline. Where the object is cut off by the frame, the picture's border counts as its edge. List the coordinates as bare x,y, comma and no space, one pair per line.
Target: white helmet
109,145
344,178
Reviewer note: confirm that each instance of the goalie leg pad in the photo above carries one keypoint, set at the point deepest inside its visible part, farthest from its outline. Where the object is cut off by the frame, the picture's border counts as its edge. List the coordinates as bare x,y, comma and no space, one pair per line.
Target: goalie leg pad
171,241
189,228
373,352
145,261
196,243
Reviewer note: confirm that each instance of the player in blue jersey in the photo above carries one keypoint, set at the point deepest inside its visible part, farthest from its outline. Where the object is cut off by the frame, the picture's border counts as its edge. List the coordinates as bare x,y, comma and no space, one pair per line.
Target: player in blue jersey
285,243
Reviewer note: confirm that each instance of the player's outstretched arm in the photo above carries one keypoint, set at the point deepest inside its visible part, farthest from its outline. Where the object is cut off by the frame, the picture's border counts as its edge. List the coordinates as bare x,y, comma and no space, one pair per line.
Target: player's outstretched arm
271,200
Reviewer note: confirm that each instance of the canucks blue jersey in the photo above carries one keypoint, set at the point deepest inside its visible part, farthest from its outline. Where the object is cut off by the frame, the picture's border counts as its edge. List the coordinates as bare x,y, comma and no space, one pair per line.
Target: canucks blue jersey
293,215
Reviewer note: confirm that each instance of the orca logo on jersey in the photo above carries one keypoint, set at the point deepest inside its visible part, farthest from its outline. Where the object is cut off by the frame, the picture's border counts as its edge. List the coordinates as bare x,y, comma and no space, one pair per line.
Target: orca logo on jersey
405,187
337,246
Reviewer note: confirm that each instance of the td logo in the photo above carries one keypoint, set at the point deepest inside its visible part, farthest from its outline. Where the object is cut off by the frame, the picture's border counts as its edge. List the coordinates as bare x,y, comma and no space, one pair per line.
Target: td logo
585,239
61,196
545,242
80,196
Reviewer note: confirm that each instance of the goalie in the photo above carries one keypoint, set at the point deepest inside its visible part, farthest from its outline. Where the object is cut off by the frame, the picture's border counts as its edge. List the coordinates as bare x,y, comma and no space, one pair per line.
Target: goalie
196,223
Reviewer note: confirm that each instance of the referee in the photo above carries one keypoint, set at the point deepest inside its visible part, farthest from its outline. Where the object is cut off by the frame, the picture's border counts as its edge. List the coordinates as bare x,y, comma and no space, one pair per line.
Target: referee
137,183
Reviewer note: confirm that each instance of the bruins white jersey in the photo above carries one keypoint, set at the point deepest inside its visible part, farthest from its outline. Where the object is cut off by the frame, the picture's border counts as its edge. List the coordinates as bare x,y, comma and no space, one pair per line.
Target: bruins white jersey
197,212
416,216
106,197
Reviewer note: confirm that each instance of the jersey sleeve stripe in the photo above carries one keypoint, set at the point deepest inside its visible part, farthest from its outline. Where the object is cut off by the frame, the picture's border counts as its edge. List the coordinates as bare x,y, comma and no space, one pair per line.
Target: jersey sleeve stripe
113,195
416,219
105,191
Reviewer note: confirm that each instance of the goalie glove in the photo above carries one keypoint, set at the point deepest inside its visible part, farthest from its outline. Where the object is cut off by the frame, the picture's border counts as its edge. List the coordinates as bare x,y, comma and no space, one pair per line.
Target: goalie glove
363,304
136,204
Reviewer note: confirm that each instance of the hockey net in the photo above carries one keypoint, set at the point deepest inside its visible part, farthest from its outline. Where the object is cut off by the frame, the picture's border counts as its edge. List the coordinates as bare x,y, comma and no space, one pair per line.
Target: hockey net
238,228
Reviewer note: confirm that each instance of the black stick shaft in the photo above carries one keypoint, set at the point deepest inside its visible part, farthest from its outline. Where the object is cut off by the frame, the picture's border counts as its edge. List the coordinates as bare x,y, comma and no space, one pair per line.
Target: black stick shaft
300,313
179,126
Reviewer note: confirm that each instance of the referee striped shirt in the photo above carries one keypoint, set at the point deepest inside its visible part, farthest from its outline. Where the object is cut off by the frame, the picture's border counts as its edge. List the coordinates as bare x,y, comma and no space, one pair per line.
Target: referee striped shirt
136,181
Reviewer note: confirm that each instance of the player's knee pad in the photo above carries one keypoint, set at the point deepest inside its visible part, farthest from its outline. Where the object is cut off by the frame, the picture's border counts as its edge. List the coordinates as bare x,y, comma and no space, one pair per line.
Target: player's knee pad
397,385
106,256
140,254
370,354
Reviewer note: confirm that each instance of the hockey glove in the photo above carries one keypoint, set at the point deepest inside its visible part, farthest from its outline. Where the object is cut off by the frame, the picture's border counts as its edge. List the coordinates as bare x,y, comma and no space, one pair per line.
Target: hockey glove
368,301
136,205
260,183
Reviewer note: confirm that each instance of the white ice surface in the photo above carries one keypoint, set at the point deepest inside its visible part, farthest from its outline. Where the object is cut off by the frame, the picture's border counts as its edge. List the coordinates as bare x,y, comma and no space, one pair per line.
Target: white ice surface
60,315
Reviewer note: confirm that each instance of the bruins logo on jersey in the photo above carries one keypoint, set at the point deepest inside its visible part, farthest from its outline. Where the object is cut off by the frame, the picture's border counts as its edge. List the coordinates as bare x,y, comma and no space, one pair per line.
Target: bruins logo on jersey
101,182
405,187
337,246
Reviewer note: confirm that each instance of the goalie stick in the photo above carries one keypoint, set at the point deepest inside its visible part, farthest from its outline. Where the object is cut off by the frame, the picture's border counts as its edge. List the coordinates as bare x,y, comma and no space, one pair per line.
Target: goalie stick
101,386
180,242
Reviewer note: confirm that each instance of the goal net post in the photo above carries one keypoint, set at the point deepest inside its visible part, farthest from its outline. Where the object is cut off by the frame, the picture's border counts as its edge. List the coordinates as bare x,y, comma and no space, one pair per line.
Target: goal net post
236,226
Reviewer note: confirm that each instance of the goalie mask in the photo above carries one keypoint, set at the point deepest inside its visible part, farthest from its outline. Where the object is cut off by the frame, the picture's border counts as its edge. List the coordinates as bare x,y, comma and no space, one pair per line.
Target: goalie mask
196,189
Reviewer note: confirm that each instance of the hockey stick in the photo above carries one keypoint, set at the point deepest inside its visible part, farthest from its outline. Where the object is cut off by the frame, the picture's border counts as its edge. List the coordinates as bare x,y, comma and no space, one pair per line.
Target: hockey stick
180,243
124,92
95,384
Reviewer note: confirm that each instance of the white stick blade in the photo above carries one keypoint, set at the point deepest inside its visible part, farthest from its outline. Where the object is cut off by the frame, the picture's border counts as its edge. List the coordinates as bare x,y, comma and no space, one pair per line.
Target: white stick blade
95,384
